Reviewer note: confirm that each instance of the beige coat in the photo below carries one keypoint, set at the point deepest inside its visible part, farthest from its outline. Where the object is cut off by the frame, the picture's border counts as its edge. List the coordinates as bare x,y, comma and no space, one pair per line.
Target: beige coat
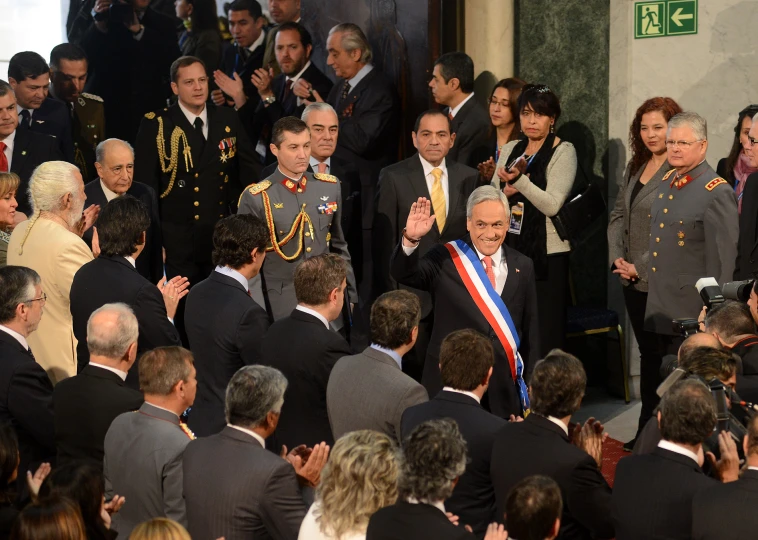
56,254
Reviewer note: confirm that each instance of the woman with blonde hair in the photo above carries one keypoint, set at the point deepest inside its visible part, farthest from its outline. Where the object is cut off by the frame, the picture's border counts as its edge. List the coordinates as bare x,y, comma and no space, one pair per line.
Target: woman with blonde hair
359,479
8,185
159,529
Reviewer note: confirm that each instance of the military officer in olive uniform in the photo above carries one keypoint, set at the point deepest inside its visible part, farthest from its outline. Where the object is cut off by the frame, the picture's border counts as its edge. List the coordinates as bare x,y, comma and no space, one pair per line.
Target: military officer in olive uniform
68,69
694,230
195,158
303,213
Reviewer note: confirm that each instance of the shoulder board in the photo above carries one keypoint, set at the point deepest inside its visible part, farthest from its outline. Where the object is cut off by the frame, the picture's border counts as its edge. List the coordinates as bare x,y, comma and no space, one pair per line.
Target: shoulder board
91,96
259,187
666,176
710,186
325,177
150,115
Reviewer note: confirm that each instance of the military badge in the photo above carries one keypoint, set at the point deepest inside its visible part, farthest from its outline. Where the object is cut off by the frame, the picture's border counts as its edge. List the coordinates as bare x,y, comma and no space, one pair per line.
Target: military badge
228,148
227,129
279,205
710,186
680,235
327,208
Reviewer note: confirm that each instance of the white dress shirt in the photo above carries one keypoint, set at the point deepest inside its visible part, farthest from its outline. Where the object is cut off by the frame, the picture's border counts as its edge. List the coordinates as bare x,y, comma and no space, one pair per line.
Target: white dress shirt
558,422
313,312
253,434
439,505
191,117
461,104
118,372
296,78
673,447
429,177
109,195
464,392
258,42
365,70
232,273
18,337
131,260
314,164
9,147
19,108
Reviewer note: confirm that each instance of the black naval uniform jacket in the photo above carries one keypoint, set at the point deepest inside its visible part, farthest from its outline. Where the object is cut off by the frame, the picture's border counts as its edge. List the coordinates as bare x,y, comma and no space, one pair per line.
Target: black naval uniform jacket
204,189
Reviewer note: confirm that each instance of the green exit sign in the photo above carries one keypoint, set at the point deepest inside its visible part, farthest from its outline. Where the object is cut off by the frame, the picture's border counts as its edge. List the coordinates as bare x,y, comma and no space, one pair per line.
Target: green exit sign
665,18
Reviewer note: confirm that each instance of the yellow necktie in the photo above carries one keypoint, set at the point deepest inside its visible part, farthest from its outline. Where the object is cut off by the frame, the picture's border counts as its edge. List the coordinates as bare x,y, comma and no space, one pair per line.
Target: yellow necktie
438,199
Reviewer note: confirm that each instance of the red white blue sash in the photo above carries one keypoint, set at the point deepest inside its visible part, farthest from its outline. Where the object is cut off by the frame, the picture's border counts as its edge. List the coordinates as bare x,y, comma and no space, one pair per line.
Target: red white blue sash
471,272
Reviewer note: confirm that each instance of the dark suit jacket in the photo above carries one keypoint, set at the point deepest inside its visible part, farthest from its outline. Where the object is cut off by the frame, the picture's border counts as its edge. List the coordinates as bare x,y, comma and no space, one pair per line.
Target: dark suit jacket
473,499
150,261
454,309
54,118
746,264
653,493
225,328
726,509
538,446
25,404
305,350
232,62
30,149
400,185
113,279
403,521
368,131
470,125
84,407
234,488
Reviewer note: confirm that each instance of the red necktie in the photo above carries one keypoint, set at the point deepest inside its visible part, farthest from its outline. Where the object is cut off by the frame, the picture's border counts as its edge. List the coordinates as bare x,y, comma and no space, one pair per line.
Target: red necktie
322,168
450,116
287,89
489,271
3,159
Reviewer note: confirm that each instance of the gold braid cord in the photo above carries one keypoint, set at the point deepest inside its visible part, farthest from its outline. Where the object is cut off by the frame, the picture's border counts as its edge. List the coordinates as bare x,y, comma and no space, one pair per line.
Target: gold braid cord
298,228
80,162
173,159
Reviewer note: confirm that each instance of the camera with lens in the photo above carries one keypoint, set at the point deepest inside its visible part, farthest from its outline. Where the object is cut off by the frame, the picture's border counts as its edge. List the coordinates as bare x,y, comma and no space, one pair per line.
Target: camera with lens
712,294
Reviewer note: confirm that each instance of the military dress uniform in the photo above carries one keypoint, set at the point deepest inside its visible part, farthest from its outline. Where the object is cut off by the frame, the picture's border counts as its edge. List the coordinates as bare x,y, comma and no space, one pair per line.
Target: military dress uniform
88,124
694,230
304,221
198,182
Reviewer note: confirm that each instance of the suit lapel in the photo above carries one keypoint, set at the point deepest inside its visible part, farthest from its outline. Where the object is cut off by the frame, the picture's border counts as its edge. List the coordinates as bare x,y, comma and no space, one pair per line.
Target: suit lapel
20,151
178,118
652,185
355,93
95,194
215,134
513,281
453,188
417,178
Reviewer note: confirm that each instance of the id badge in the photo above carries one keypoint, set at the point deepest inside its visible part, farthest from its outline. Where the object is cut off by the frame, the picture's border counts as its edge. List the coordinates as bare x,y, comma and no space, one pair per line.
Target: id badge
517,218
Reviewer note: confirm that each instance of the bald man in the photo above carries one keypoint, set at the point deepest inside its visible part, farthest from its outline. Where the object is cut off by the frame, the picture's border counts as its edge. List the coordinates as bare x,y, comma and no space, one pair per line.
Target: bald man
114,162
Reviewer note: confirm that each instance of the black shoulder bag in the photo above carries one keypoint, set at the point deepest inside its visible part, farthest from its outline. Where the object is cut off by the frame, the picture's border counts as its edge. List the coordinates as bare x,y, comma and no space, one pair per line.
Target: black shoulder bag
577,214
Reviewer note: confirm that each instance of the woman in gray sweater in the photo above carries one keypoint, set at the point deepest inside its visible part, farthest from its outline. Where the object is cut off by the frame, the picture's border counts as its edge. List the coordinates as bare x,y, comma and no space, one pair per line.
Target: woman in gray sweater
538,182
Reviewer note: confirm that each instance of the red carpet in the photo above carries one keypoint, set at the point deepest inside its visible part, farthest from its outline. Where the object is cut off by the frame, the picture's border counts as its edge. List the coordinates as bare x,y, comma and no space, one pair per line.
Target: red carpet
612,452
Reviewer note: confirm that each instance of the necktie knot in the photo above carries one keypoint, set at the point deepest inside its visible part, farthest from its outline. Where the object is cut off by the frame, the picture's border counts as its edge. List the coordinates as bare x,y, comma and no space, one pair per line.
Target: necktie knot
437,173
450,116
198,123
345,90
3,146
322,168
3,158
26,118
487,260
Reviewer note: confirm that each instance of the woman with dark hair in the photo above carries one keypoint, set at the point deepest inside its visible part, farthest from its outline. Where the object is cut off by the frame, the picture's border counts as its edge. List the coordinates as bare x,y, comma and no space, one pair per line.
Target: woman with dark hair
201,37
737,167
54,517
83,484
629,234
537,175
504,126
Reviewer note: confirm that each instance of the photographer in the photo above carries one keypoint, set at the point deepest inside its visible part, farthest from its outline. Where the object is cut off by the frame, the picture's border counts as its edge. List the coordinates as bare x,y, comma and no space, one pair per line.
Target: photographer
130,47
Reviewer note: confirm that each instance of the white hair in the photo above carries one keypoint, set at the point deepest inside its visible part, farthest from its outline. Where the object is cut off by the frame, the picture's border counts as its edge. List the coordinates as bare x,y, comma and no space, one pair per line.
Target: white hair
112,340
696,122
102,148
484,194
318,106
353,38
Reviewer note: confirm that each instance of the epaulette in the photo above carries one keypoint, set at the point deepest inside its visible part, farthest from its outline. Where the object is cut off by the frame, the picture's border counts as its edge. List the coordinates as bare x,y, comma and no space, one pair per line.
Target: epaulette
150,115
258,187
710,186
326,178
92,96
666,177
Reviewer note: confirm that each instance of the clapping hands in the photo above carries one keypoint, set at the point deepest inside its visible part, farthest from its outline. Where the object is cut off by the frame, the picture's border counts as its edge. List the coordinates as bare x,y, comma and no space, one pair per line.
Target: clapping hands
308,462
590,438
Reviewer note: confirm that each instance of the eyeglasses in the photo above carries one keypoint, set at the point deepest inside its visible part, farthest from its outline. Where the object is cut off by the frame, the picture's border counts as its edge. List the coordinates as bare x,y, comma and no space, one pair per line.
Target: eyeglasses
43,298
503,104
683,144
751,141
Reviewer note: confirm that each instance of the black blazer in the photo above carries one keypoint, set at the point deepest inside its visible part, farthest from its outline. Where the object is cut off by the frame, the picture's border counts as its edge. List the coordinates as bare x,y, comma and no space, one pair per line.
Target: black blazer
369,131
53,118
538,446
736,501
473,499
471,125
653,493
108,279
232,62
84,407
746,264
454,309
305,350
150,261
400,185
225,328
403,521
31,149
25,403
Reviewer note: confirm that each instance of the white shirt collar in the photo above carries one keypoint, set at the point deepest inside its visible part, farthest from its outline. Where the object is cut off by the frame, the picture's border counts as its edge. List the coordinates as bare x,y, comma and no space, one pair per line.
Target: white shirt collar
109,195
257,42
118,372
253,434
751,468
358,77
461,104
21,339
673,447
131,260
191,116
558,422
316,314
497,257
9,139
232,273
428,167
314,163
439,505
300,73
19,108
464,392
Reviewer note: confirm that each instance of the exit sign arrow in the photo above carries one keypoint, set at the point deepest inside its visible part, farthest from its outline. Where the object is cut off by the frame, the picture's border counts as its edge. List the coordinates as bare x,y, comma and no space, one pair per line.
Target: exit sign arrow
678,17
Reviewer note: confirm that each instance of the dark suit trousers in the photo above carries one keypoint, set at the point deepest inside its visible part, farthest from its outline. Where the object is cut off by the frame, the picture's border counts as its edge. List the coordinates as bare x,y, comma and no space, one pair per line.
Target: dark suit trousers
552,295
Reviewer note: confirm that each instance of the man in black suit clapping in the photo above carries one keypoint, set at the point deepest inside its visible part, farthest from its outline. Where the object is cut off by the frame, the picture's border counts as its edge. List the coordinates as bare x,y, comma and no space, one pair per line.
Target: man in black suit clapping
304,348
224,325
84,406
466,360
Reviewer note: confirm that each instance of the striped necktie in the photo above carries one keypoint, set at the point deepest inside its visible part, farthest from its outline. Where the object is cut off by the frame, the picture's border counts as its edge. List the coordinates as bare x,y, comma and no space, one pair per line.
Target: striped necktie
438,199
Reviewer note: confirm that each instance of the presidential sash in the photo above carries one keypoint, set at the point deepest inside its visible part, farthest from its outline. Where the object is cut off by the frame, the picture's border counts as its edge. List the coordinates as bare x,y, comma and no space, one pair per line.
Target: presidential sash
493,308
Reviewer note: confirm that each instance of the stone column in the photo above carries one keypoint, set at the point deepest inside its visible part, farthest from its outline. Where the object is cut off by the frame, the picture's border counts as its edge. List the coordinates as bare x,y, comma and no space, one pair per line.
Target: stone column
489,36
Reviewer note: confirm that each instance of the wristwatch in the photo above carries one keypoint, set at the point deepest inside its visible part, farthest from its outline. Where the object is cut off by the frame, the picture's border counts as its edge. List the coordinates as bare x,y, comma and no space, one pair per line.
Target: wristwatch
269,100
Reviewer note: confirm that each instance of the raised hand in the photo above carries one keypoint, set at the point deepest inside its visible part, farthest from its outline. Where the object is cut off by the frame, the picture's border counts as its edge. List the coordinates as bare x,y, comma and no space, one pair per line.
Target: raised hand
420,219
231,86
261,79
89,216
315,98
496,531
173,290
309,469
728,467
487,168
34,481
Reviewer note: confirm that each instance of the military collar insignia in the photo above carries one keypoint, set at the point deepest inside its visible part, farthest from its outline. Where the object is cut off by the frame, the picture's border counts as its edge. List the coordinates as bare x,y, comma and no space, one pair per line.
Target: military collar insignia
81,101
295,187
